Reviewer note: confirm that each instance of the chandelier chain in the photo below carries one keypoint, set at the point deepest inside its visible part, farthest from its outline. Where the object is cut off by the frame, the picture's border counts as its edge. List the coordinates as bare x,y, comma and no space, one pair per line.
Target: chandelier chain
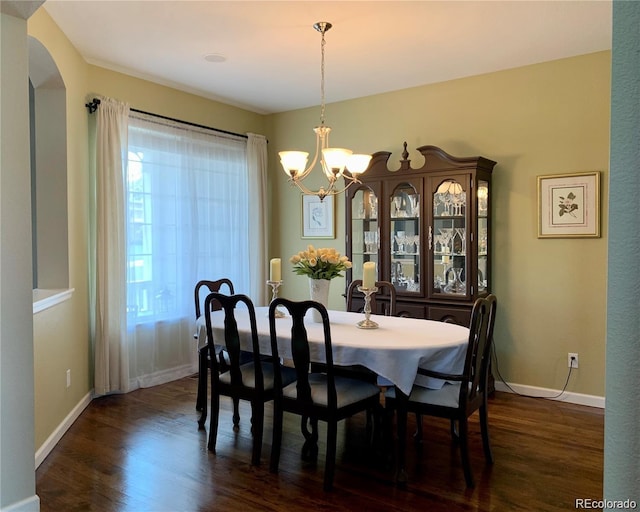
322,45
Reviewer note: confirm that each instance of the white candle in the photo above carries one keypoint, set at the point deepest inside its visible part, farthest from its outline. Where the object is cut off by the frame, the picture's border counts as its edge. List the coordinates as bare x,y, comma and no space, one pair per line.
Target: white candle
369,275
275,270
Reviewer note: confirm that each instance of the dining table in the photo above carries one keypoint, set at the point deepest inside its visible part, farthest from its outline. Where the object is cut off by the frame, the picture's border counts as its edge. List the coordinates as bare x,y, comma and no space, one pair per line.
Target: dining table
394,351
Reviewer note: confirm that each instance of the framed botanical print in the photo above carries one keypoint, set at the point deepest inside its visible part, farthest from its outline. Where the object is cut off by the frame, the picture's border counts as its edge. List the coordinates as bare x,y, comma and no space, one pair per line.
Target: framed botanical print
569,205
318,219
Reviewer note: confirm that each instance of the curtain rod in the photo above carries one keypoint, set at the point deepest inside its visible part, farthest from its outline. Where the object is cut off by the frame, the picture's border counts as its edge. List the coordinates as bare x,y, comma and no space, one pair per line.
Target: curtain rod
93,106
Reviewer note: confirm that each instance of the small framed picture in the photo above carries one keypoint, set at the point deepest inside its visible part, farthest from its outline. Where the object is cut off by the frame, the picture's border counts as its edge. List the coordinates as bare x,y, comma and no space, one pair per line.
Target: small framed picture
318,220
569,205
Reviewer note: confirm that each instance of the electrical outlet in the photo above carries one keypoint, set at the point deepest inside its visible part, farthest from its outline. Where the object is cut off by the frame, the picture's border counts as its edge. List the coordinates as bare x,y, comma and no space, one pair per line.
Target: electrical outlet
572,360
68,378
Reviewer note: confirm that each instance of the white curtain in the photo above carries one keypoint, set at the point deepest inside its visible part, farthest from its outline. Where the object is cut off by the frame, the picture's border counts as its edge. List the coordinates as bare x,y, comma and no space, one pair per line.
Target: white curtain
111,352
187,204
188,219
257,168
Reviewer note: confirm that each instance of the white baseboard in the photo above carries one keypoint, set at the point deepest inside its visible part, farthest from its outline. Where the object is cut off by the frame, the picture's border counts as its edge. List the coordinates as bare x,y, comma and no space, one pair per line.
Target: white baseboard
567,396
57,434
31,504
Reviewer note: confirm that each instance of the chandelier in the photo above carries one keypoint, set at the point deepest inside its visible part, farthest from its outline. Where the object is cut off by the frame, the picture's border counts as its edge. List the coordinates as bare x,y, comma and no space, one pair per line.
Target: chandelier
333,161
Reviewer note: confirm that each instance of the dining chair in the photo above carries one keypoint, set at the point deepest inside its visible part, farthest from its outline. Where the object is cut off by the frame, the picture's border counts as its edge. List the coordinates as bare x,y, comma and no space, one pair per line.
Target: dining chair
252,381
201,290
460,396
314,396
389,309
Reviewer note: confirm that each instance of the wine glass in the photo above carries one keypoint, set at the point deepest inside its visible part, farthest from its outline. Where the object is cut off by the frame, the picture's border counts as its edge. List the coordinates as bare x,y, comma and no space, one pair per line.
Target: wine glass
414,204
373,207
416,242
401,240
397,203
446,234
368,242
447,199
437,201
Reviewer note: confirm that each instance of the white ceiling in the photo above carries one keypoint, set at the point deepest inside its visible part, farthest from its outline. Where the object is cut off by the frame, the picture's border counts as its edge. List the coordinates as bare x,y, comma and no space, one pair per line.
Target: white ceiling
273,53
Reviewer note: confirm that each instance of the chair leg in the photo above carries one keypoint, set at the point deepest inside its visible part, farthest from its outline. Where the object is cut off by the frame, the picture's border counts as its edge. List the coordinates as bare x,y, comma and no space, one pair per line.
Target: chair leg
454,431
484,429
257,424
418,434
276,439
201,398
236,414
401,422
310,446
464,451
213,422
330,463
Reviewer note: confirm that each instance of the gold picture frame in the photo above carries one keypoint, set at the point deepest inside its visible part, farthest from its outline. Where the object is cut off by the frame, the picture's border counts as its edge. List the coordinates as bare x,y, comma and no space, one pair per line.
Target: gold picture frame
569,205
318,217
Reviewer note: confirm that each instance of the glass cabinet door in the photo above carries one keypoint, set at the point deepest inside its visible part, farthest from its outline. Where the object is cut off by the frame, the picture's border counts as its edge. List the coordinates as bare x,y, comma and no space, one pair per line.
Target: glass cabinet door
483,235
405,242
450,238
365,231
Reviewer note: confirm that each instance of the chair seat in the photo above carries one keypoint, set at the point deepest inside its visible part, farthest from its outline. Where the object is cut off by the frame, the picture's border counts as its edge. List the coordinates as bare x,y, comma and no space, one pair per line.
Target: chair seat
447,396
249,375
348,391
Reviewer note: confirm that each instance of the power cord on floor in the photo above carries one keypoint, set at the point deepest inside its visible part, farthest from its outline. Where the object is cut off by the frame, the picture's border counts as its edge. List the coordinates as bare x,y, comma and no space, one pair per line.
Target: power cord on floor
494,356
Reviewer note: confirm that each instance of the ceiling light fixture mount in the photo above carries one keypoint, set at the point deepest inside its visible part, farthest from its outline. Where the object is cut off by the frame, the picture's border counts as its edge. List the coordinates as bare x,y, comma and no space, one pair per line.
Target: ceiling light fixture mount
334,161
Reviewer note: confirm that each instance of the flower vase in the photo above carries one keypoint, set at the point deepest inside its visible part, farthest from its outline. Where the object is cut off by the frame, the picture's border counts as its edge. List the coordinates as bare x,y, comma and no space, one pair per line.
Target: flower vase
319,292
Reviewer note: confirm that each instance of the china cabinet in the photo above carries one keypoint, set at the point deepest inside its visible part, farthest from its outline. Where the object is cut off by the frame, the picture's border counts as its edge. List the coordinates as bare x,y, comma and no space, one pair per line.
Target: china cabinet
428,229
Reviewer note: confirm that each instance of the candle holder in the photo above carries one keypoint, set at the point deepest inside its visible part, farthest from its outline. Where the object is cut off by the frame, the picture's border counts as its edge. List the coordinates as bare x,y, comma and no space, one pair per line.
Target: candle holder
274,295
367,323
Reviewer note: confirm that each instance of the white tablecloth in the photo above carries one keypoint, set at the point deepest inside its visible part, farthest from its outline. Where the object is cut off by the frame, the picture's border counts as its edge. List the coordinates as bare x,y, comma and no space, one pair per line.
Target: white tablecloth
394,351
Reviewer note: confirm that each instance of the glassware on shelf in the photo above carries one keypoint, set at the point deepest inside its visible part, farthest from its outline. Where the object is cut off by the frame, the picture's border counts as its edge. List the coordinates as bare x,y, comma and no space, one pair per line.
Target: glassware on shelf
413,286
482,284
455,285
416,242
401,241
458,201
397,203
461,247
447,201
414,204
373,207
370,242
446,234
482,241
437,201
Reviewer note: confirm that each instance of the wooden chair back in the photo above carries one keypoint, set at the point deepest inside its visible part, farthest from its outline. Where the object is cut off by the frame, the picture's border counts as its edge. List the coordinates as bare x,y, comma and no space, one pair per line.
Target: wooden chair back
211,286
300,352
476,367
231,341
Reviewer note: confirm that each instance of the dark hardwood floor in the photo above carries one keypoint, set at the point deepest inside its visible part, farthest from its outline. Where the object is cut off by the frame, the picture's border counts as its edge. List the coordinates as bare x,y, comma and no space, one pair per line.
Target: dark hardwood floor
143,452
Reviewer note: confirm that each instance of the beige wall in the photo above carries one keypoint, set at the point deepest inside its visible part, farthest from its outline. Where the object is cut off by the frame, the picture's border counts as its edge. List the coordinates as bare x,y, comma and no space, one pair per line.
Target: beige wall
541,119
61,333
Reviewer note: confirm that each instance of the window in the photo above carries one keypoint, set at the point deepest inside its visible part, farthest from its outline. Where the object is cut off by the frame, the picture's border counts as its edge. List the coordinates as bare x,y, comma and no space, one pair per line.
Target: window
187,216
